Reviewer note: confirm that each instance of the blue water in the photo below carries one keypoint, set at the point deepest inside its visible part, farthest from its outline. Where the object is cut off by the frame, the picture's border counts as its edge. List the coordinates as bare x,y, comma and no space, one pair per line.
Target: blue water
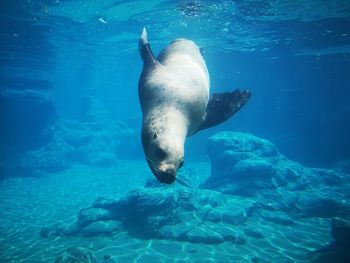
69,72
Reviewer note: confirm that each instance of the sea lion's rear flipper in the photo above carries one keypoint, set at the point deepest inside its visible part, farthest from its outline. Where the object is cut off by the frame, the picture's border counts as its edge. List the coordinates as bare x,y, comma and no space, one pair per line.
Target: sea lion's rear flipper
222,106
145,50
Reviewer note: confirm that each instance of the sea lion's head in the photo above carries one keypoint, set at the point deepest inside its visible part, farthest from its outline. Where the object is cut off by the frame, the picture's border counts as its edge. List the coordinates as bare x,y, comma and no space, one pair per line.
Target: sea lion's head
164,153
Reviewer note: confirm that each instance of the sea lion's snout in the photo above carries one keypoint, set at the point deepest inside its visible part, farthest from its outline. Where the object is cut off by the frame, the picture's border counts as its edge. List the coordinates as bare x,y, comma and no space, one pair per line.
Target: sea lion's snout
166,173
167,177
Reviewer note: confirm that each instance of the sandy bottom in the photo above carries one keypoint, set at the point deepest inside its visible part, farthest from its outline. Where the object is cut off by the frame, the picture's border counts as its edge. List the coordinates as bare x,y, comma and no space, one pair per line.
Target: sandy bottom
29,204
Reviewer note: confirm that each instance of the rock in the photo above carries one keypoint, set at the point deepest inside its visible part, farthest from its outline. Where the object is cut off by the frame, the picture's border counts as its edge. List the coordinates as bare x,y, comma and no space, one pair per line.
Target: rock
41,144
240,142
76,255
226,214
46,232
337,252
320,206
99,151
105,203
149,201
228,233
319,202
93,134
128,142
27,119
94,113
274,200
330,254
344,166
341,231
174,231
277,217
323,202
331,177
154,223
171,212
245,165
90,215
53,157
59,229
113,139
202,234
92,146
97,138
101,228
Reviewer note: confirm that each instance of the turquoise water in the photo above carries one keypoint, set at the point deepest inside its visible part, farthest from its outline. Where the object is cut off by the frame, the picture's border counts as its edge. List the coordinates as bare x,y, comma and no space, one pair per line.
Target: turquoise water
263,186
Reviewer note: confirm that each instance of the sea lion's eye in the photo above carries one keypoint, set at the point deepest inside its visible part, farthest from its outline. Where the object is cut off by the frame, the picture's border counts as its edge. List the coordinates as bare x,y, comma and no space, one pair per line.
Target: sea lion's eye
161,154
155,135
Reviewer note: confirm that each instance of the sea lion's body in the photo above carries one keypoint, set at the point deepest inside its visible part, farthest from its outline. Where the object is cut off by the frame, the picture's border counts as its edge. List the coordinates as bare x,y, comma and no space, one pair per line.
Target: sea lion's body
174,95
180,83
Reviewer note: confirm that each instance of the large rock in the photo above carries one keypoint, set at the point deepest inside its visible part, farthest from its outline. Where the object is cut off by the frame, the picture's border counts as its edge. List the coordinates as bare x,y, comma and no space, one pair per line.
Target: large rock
92,147
93,134
168,212
243,164
94,113
34,142
97,138
250,185
341,231
322,201
56,155
27,119
104,227
93,214
338,251
31,141
59,229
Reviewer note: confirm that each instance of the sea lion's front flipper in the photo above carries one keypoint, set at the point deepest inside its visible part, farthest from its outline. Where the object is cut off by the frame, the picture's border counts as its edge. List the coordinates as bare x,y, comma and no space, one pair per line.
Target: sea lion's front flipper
222,106
145,50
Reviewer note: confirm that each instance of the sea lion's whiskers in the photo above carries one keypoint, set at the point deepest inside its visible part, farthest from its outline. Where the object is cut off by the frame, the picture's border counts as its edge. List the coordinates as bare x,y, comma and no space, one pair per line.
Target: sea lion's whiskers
153,164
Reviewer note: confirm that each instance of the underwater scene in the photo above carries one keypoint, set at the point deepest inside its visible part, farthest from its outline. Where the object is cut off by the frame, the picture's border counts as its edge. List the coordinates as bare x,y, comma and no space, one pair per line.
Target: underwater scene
113,148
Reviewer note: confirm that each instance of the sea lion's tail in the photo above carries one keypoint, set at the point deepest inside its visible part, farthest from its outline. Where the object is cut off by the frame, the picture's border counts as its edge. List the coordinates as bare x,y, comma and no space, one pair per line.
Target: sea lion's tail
143,37
145,49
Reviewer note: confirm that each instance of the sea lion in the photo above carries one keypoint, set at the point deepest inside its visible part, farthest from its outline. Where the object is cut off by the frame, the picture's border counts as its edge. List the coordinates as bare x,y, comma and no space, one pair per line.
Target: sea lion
174,97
